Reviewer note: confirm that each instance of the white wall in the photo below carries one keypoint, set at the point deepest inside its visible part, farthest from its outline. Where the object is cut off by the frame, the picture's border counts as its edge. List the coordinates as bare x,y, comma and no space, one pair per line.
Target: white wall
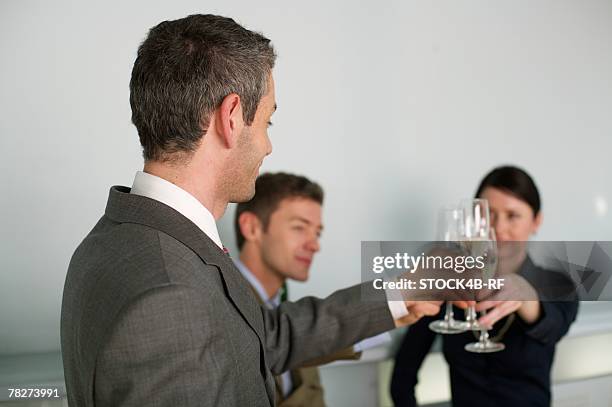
394,107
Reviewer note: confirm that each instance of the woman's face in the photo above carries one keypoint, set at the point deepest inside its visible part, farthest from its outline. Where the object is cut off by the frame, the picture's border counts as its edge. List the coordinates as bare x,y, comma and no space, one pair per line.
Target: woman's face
512,218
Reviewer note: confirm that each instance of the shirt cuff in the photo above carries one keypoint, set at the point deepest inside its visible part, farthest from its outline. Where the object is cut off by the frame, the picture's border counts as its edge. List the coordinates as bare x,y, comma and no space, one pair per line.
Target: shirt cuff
396,304
398,308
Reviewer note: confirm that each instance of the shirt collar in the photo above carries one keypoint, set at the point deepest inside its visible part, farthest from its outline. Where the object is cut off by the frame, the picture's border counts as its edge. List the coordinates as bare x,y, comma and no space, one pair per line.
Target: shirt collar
271,302
157,188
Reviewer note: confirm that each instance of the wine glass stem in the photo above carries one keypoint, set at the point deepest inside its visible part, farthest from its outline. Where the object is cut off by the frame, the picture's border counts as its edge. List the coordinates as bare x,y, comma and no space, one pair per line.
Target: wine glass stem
471,314
448,315
484,336
484,333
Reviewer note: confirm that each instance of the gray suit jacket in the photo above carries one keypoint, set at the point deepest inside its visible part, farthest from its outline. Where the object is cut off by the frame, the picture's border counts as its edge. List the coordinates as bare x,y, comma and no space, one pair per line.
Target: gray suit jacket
155,314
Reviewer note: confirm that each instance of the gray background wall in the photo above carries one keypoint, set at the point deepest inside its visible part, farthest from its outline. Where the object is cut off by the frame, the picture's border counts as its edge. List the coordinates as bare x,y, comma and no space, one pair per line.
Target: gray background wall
395,107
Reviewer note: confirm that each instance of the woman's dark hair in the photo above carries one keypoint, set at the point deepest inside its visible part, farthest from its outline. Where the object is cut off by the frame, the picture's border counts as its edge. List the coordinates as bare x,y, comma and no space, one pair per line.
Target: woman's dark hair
514,181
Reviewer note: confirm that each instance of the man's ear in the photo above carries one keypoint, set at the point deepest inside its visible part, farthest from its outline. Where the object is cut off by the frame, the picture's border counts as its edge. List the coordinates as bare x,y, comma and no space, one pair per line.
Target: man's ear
250,226
229,120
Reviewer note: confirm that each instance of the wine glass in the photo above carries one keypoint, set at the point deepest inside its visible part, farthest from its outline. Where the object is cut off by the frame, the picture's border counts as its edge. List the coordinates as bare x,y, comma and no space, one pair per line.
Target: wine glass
449,228
476,227
479,238
489,252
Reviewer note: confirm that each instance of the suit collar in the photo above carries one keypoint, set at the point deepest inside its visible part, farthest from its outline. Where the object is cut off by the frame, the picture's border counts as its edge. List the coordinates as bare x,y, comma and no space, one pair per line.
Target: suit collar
123,207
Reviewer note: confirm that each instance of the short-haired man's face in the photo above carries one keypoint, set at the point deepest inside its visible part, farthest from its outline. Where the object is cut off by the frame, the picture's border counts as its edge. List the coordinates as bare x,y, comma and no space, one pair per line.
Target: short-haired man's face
254,145
291,240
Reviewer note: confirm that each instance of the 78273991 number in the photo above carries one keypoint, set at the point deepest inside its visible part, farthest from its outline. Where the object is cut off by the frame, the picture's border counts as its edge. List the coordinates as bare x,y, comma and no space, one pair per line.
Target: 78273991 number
33,393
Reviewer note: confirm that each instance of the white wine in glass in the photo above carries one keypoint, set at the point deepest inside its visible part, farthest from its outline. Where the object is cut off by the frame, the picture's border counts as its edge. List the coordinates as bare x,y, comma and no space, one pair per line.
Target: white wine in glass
450,228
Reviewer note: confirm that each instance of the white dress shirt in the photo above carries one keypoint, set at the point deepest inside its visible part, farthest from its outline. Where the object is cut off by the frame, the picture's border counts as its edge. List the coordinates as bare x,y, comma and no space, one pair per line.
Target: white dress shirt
178,199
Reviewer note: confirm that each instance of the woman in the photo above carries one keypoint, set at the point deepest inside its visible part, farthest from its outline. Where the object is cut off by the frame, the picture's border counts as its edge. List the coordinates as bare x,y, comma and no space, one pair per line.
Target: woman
520,374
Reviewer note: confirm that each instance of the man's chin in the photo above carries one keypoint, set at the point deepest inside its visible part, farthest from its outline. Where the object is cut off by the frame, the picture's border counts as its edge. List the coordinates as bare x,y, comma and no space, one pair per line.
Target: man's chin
243,196
301,277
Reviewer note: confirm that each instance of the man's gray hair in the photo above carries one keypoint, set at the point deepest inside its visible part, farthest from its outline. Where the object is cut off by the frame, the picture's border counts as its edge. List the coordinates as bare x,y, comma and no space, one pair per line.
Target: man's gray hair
183,71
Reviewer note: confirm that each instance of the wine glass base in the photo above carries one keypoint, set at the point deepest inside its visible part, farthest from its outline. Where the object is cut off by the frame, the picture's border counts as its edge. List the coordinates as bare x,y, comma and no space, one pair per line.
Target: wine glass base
485,347
447,327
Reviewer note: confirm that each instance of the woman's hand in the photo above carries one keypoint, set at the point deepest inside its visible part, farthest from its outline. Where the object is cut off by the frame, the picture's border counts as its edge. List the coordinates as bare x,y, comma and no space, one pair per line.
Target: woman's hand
517,295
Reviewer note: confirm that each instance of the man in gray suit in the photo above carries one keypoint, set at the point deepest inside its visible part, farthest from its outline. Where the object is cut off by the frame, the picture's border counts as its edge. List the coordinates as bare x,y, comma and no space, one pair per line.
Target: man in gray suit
154,312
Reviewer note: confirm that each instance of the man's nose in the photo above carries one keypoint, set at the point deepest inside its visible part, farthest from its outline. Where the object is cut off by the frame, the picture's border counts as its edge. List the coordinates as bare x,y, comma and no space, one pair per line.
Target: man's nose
269,146
313,244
